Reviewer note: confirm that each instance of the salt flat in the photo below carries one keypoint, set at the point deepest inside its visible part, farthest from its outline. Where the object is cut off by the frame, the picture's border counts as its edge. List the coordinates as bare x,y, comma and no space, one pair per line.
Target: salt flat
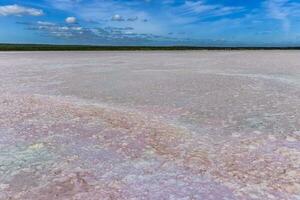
150,125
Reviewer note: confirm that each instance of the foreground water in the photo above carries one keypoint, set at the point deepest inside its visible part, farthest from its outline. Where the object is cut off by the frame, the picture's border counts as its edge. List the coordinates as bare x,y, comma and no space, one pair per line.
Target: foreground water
150,125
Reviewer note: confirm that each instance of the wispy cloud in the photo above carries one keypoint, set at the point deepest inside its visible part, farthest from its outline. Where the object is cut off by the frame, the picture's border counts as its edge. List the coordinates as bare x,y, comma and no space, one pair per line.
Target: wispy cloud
132,19
193,12
282,10
116,21
101,9
19,10
205,9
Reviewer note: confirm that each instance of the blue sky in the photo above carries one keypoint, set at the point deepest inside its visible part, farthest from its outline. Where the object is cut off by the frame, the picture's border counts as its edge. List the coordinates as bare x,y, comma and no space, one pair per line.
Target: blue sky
151,22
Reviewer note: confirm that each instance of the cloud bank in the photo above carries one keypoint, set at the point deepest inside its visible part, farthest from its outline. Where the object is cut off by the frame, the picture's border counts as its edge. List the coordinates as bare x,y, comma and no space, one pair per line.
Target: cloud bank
19,11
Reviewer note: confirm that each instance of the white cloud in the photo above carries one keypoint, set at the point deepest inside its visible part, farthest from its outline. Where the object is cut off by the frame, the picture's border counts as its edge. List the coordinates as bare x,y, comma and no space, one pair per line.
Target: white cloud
19,10
117,18
71,20
43,23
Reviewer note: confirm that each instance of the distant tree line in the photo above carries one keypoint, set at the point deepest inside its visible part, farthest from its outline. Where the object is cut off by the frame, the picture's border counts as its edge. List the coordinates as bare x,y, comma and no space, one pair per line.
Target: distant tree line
46,47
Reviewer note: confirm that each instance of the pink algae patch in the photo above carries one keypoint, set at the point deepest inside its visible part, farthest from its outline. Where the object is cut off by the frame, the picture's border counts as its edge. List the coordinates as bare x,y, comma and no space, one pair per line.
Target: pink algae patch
72,150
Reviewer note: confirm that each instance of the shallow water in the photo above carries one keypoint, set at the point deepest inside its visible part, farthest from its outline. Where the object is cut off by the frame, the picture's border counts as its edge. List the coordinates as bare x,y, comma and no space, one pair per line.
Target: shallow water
150,125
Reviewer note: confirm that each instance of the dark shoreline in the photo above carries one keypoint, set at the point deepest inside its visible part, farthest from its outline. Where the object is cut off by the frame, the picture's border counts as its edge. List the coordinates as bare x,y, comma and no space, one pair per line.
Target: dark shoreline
49,47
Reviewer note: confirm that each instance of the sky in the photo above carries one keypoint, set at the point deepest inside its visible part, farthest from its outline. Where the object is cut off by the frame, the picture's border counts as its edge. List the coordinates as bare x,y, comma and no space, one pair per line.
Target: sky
151,22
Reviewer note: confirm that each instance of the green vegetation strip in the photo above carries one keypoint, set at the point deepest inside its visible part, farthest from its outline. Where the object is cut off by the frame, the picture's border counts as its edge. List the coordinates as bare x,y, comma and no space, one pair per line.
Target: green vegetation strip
45,47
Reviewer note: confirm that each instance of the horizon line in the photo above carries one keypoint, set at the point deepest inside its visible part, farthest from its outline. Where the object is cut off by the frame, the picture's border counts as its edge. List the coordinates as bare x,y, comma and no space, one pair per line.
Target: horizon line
78,47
